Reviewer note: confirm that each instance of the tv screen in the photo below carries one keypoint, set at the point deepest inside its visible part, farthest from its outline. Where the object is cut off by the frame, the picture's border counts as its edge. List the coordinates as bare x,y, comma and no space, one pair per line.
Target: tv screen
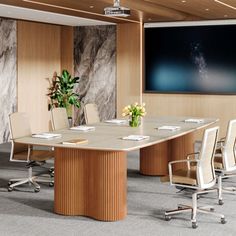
191,59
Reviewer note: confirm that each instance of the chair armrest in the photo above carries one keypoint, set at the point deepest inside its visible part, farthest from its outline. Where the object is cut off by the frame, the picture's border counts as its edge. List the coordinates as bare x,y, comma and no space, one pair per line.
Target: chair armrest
179,161
182,161
192,155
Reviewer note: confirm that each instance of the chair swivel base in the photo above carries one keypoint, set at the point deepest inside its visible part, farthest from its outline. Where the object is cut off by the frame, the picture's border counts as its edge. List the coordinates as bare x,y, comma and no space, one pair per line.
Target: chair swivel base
194,209
18,182
185,208
222,189
31,180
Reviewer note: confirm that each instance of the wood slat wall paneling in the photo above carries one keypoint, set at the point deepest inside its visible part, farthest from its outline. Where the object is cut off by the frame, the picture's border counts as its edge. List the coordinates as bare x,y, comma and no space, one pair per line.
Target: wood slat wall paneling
218,106
38,57
67,48
129,62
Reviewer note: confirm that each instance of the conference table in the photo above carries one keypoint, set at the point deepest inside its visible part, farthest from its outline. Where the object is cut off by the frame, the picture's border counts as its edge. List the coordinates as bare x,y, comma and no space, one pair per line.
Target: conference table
91,178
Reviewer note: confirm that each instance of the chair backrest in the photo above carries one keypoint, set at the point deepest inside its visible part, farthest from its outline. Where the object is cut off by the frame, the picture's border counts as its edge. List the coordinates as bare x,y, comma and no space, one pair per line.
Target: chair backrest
59,118
228,150
19,127
205,170
91,114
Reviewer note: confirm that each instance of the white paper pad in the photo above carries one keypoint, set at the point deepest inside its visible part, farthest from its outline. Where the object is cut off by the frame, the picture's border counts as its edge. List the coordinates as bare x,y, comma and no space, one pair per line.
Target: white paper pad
83,128
116,121
194,121
170,128
46,135
135,137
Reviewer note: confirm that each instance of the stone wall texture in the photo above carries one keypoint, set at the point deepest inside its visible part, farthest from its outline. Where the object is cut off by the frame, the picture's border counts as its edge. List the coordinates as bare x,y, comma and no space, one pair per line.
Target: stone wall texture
95,64
8,74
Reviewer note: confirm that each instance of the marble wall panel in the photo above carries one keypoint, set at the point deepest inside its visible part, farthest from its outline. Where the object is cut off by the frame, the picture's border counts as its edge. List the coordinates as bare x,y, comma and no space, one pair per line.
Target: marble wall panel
8,74
95,64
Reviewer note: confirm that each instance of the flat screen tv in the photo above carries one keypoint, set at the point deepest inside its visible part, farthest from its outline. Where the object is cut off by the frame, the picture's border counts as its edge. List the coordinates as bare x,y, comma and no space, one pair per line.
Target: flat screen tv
190,59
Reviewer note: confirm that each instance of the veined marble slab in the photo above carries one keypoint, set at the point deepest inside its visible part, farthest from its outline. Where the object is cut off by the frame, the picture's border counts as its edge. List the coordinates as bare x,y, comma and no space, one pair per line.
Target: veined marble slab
8,74
95,64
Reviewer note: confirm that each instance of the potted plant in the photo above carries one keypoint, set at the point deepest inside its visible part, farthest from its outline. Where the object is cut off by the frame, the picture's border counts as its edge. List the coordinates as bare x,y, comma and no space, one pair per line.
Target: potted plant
61,92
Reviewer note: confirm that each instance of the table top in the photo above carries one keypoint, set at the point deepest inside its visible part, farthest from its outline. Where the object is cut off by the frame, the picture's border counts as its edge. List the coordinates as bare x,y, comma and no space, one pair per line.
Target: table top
108,136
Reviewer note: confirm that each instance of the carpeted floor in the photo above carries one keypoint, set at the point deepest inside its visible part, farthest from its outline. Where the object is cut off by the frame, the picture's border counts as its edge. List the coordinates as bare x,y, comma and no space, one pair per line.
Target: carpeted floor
26,213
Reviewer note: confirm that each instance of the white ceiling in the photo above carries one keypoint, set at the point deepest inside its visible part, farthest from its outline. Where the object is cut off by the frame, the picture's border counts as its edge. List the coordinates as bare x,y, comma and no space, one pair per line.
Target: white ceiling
47,17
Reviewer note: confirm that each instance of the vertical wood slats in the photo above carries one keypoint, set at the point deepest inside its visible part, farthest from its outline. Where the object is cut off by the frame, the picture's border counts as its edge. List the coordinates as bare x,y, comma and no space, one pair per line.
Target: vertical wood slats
154,159
90,183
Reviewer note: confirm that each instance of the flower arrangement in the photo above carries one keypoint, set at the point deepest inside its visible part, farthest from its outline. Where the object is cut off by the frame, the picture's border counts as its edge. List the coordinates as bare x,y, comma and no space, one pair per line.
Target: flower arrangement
134,111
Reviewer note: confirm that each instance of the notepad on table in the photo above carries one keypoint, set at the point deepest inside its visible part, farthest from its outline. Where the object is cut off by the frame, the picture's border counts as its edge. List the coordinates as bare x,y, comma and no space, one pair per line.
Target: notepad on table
169,127
116,121
75,141
136,137
194,121
46,135
83,128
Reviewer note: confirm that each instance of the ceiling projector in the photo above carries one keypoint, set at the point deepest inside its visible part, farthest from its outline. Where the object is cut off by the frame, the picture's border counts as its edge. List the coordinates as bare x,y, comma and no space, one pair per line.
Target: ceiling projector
117,10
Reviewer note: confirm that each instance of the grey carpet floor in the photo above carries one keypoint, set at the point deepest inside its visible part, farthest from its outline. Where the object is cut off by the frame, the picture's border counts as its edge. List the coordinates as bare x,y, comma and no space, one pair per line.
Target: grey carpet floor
24,212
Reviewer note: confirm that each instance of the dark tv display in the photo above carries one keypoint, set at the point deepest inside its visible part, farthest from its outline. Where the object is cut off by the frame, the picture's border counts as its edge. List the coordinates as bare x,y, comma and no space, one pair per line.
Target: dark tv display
191,59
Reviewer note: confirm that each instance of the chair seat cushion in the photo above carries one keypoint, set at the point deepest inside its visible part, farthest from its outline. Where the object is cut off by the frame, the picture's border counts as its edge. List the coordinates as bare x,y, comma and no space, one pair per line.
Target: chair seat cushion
185,177
218,162
35,155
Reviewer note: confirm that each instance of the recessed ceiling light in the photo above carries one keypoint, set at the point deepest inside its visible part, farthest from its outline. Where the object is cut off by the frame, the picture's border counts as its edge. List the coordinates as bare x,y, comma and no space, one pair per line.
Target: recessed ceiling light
149,18
91,6
183,1
225,16
207,9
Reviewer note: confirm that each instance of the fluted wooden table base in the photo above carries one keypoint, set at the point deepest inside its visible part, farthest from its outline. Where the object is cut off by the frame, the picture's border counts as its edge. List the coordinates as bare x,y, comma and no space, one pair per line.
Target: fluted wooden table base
90,183
154,159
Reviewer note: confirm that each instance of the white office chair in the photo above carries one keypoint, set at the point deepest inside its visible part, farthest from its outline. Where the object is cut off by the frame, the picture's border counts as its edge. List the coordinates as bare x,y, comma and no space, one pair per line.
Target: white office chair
20,127
59,118
91,114
225,159
200,178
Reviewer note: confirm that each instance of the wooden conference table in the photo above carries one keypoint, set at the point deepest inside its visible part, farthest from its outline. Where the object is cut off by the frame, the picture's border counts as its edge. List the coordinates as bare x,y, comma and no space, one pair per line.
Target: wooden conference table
91,178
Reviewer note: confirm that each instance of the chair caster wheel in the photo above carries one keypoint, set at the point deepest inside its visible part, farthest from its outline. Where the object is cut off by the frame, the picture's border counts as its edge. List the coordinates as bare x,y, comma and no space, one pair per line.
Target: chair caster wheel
167,218
194,225
223,221
36,190
212,209
52,175
221,202
9,183
51,184
10,189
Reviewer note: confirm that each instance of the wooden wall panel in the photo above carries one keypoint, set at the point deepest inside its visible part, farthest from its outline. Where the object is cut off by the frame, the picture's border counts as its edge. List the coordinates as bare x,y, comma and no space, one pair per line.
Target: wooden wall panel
38,57
67,48
218,106
129,65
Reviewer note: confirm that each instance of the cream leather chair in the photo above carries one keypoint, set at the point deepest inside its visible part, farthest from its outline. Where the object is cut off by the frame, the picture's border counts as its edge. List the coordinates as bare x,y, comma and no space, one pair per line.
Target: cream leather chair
91,113
59,118
200,178
59,121
225,159
20,127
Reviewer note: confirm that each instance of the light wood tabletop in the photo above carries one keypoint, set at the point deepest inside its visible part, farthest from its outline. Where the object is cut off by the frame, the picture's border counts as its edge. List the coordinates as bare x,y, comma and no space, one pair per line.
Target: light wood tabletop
108,136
